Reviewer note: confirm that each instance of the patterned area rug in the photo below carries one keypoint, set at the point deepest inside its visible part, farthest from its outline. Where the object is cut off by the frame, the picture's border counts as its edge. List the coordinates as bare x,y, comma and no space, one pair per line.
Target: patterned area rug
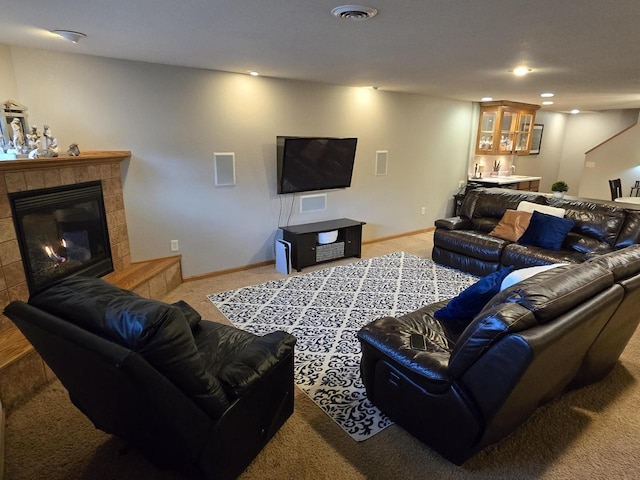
325,309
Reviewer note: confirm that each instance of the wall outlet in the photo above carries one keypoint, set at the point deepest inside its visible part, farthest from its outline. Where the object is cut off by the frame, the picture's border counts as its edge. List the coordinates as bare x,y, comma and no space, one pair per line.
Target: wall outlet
424,210
174,245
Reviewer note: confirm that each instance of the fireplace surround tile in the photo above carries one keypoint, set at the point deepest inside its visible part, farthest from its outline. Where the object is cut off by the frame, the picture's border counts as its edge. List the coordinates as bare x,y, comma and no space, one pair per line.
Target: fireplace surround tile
51,177
7,232
5,207
9,252
66,176
15,182
34,180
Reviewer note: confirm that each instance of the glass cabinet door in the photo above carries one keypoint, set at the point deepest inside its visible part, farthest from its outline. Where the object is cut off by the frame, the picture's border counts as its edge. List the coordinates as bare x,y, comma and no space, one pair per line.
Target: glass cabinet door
524,131
507,131
487,125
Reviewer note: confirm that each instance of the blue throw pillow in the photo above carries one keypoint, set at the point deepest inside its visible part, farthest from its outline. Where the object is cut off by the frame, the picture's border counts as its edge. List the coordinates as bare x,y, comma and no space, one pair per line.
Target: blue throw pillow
461,309
546,231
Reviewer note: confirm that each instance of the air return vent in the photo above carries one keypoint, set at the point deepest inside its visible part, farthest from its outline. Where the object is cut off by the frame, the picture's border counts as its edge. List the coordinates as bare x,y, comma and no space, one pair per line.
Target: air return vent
354,12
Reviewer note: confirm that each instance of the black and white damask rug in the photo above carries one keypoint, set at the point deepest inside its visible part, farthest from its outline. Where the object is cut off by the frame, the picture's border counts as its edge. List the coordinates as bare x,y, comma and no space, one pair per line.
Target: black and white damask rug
325,309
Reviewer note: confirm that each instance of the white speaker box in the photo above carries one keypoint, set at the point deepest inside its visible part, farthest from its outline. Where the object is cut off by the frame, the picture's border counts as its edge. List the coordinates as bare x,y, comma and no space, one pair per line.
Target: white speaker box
381,162
224,168
313,203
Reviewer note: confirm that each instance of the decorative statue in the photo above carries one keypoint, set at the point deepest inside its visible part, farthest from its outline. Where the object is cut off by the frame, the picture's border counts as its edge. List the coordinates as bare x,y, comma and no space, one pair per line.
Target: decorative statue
33,137
18,136
73,151
50,143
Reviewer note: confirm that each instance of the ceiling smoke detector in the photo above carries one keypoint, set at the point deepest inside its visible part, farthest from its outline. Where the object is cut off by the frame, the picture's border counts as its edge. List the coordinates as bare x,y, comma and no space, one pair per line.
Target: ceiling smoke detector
354,12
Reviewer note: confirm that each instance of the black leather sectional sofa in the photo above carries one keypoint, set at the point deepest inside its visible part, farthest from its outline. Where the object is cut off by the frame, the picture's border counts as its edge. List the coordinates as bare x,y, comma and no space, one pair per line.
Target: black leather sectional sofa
463,242
557,330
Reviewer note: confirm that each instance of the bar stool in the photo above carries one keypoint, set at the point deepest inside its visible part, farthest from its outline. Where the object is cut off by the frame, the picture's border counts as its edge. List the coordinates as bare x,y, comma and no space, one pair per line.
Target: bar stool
615,186
635,190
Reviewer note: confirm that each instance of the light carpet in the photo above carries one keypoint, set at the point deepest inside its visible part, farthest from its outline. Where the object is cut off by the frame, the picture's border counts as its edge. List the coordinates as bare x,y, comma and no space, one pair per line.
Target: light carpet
324,310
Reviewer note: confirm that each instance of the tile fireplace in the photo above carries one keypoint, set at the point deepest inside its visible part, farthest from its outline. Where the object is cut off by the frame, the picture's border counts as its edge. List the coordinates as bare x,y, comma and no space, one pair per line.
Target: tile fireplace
62,231
21,369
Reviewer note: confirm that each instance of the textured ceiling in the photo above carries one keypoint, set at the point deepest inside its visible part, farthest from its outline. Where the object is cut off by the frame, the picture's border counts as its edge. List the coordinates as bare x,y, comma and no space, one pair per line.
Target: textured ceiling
586,52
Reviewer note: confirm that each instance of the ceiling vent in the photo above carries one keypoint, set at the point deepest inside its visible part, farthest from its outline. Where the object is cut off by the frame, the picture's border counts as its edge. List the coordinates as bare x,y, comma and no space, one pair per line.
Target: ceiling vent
354,12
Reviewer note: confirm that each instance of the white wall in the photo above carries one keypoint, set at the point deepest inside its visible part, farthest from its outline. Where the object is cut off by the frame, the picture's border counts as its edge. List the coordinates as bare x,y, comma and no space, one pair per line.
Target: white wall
617,158
173,119
8,86
583,132
546,163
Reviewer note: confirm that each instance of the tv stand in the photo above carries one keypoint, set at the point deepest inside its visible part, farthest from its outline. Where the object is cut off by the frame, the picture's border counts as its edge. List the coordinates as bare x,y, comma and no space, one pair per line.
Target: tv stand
306,251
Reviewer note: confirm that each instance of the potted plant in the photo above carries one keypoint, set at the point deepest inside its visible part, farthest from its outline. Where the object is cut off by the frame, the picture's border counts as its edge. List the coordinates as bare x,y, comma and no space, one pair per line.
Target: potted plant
559,188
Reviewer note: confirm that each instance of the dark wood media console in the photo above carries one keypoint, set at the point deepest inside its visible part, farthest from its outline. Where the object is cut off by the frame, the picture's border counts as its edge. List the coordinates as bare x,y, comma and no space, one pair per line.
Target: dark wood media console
305,249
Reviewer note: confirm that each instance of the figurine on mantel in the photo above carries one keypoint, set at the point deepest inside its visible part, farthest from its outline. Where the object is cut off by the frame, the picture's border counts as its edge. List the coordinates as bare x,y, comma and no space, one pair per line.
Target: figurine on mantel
73,151
50,143
18,136
33,138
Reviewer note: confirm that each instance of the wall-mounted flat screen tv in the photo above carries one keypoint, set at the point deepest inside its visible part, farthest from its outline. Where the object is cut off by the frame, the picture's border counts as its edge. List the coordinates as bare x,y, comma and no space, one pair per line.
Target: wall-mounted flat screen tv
314,163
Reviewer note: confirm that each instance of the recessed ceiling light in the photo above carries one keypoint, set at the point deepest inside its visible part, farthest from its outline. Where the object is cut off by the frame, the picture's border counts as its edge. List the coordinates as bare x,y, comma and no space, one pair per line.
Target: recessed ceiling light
546,95
254,73
486,99
547,102
521,70
69,35
575,110
354,12
375,87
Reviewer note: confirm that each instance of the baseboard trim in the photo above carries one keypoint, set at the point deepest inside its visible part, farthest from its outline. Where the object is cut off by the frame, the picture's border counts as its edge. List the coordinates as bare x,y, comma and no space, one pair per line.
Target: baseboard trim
400,235
271,262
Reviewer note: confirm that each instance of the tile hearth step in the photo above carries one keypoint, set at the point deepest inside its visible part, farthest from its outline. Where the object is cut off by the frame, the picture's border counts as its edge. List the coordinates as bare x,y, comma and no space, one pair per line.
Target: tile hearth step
151,278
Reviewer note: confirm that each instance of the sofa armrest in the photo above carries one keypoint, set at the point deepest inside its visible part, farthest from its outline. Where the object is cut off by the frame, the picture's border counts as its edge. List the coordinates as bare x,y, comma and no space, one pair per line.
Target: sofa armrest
254,360
454,223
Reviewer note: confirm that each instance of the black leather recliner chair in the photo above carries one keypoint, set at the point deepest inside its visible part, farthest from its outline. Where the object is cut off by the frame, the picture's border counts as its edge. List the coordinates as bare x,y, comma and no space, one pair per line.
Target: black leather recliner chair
197,396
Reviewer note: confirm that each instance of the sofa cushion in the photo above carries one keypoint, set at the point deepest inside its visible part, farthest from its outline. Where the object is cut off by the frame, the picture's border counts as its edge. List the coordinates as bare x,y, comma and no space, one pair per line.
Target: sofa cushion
546,231
596,220
630,231
554,292
584,244
512,225
190,314
460,310
521,256
529,207
389,338
486,329
492,203
622,263
470,243
524,273
157,331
